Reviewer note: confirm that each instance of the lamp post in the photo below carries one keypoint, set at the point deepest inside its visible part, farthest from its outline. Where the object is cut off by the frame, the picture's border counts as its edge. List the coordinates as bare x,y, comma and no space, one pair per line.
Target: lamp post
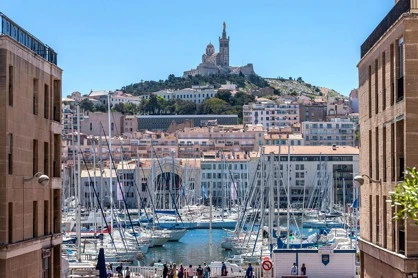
42,179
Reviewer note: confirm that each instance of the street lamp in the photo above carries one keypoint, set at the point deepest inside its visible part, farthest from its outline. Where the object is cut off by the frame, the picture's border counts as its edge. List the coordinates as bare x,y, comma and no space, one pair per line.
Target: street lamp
42,179
360,179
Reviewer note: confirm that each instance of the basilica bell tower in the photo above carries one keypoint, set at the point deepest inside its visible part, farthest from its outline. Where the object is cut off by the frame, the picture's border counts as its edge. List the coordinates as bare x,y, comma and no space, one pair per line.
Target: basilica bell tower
223,49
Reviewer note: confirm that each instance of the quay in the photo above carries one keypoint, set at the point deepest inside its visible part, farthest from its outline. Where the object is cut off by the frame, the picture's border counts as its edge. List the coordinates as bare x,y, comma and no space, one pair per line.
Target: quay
157,272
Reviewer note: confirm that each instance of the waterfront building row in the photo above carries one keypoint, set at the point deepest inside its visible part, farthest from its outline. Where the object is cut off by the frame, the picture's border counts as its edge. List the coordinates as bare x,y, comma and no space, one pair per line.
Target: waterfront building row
312,173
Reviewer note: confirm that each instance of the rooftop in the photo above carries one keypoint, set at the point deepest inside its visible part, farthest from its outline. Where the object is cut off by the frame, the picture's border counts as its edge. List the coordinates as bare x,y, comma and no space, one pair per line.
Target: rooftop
401,7
312,150
23,37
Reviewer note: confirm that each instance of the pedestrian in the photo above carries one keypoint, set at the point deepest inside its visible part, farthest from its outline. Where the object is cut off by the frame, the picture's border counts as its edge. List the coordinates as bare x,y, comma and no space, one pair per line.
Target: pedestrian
170,271
294,270
119,270
303,269
249,271
181,272
224,272
165,271
109,271
206,270
199,272
174,271
127,273
190,272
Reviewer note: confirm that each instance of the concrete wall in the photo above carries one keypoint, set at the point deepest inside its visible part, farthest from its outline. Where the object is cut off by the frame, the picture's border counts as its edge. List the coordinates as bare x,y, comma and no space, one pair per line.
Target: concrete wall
341,263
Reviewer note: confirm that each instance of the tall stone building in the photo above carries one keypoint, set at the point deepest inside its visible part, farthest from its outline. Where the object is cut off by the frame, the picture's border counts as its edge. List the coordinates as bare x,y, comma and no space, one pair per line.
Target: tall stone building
388,98
30,168
218,62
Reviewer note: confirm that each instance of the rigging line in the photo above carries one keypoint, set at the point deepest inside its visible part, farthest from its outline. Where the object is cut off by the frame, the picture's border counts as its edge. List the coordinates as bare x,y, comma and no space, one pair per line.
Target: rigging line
249,196
230,174
118,184
169,190
149,193
96,194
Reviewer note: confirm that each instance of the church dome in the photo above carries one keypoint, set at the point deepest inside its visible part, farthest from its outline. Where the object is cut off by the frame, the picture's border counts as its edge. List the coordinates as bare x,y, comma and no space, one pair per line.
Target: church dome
210,49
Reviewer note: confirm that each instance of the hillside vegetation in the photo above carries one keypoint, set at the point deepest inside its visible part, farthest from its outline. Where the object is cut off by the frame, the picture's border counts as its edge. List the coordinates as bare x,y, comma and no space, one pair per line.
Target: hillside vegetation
297,87
248,84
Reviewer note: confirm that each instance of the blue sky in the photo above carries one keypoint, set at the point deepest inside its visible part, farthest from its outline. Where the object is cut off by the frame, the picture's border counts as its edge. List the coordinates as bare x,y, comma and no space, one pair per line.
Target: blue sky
108,44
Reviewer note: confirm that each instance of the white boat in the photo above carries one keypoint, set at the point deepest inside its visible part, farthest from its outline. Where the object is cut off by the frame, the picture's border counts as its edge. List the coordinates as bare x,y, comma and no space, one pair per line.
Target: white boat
217,223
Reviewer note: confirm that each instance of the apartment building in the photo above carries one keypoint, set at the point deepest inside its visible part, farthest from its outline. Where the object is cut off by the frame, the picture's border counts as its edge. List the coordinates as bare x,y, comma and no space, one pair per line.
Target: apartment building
315,174
225,176
192,142
388,84
335,132
271,114
30,166
195,95
314,112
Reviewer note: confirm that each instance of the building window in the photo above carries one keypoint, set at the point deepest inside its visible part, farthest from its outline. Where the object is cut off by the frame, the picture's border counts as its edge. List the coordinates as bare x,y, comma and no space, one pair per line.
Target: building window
392,75
35,219
10,222
383,81
400,81
57,100
370,91
91,126
10,154
376,86
46,158
46,217
11,85
35,96
34,156
46,101
370,218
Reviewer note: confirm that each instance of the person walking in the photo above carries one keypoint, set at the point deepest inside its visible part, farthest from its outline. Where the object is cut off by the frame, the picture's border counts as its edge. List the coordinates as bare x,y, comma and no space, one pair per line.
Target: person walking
181,272
303,269
206,270
119,270
127,273
174,271
224,272
294,270
190,272
249,271
170,271
165,271
199,272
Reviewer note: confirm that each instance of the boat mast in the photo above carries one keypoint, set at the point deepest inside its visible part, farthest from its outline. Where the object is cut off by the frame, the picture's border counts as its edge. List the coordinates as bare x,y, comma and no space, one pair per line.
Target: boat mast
101,179
78,187
288,192
110,164
271,201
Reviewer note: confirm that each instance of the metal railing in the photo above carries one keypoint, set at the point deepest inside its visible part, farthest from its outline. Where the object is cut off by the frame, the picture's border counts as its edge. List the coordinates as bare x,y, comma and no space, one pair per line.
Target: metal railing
17,33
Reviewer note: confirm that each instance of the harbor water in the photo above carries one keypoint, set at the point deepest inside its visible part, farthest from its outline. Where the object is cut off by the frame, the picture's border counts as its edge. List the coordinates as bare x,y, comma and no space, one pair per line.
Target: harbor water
193,249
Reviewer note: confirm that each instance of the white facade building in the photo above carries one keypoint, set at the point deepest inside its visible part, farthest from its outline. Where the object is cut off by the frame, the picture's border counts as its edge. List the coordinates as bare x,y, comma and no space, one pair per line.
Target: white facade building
335,132
195,95
226,176
271,114
317,175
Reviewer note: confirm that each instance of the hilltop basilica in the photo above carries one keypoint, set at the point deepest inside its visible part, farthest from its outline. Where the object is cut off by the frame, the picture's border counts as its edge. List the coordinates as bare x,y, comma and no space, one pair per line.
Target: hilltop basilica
218,62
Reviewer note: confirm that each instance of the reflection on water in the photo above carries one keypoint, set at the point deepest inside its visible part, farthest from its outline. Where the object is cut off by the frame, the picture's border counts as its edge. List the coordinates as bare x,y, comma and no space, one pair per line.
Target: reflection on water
193,249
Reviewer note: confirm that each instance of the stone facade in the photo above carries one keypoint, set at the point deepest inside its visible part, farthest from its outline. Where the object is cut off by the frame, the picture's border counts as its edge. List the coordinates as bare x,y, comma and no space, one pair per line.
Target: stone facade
30,141
388,90
218,62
